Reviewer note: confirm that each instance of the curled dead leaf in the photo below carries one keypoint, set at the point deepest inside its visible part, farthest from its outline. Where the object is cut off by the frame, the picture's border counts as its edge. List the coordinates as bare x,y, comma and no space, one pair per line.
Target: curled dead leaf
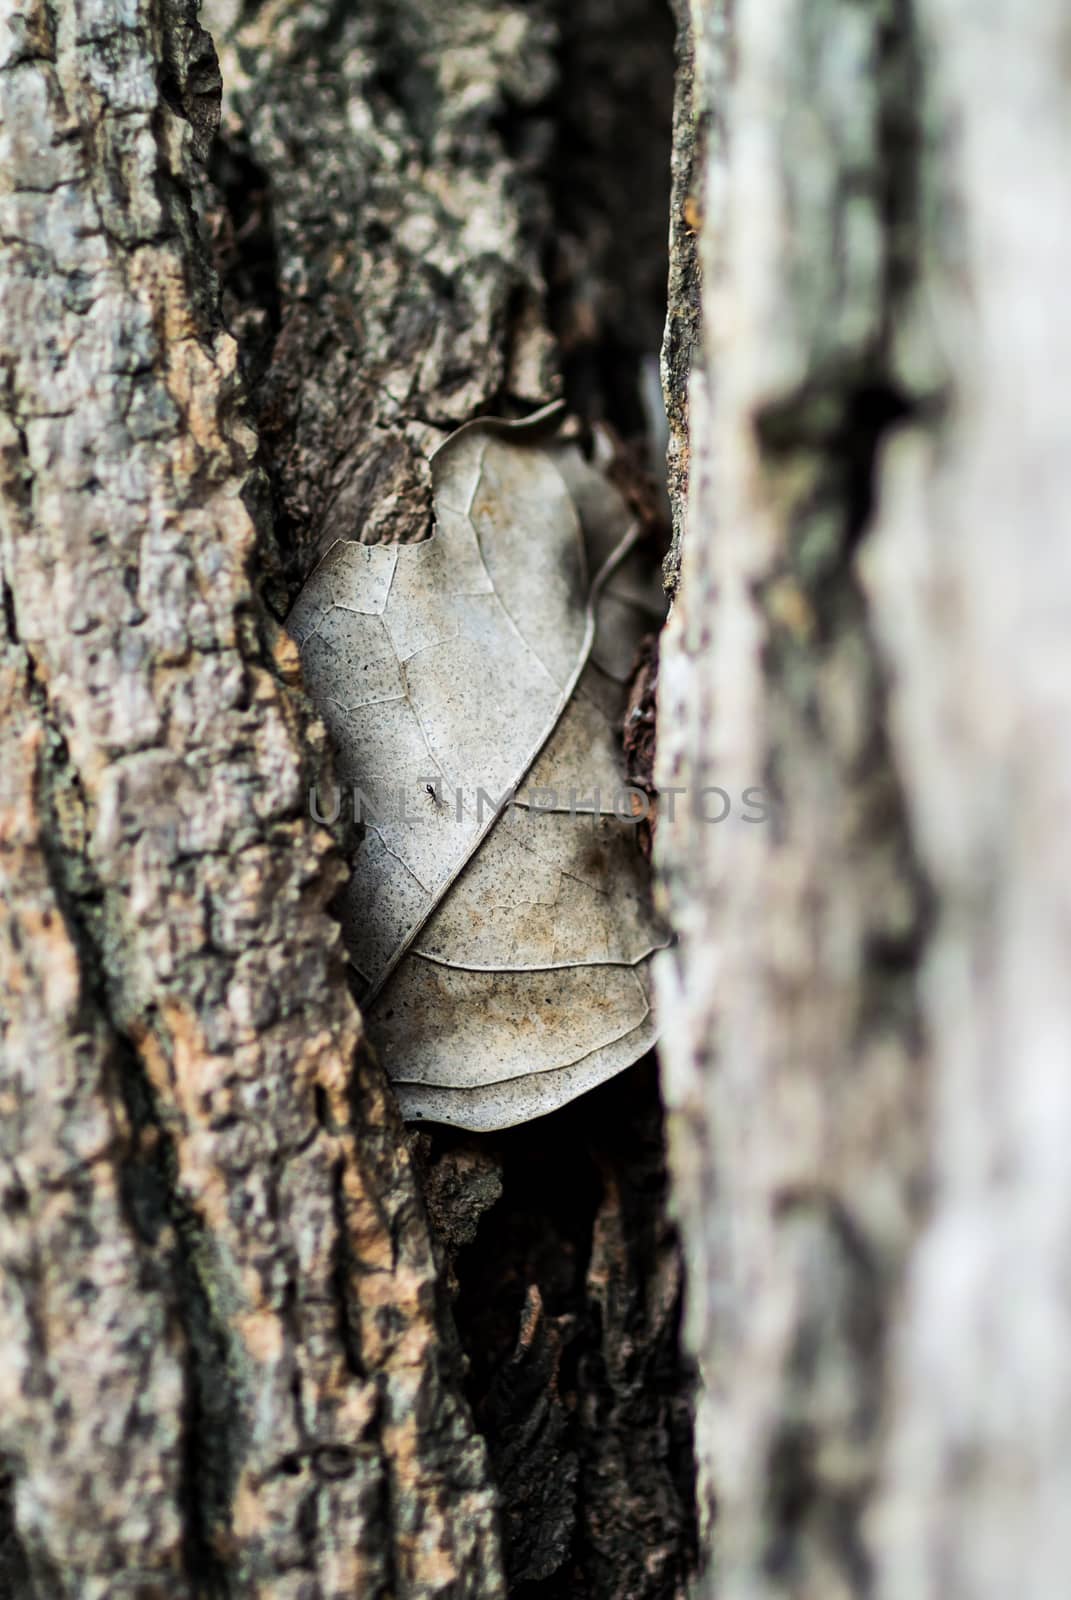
498,911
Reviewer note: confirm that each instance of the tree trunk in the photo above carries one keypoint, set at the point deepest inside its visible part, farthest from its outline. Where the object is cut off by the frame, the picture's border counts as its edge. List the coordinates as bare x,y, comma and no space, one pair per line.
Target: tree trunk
257,1339
225,1368
866,1024
231,1366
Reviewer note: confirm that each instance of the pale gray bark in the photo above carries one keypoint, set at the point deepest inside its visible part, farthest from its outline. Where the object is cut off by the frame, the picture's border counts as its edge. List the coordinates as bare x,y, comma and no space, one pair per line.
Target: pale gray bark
867,1018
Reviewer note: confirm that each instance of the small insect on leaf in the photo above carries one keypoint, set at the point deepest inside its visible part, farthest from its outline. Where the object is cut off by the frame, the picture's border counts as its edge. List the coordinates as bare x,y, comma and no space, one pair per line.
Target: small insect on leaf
502,926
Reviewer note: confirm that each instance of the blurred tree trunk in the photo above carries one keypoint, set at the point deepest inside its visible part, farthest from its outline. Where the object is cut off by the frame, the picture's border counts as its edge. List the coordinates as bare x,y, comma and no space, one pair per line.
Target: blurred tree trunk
867,1024
228,1364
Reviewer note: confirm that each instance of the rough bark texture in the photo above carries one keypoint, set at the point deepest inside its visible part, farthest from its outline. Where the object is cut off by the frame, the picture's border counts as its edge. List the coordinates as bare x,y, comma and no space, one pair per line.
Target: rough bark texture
402,292
866,1049
229,1364
465,207
223,1367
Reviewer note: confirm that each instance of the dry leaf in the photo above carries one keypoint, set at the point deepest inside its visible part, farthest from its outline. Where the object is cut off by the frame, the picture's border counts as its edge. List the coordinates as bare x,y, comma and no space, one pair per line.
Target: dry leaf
504,953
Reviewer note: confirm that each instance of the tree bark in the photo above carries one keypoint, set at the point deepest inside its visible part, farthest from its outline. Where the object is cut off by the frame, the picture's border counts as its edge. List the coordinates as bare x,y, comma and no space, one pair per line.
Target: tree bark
231,1366
866,1018
225,1368
257,1339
